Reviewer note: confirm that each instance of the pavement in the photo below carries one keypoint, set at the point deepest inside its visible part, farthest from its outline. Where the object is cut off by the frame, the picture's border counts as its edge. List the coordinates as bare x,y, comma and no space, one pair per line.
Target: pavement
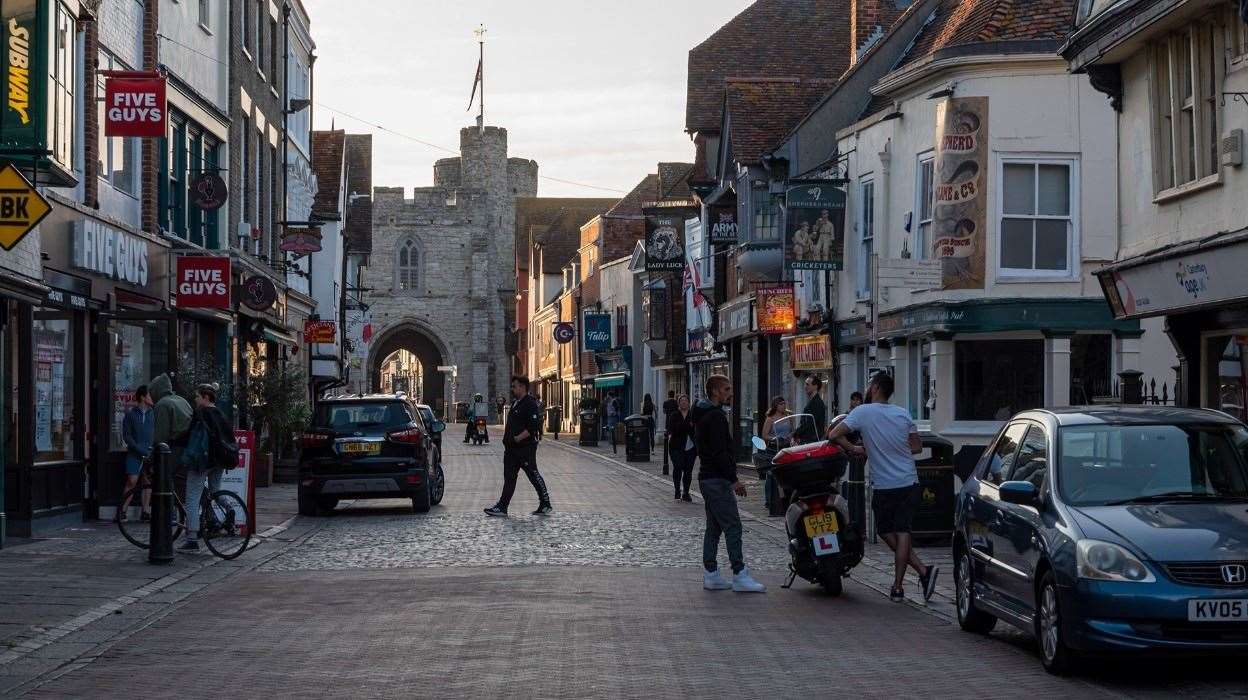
601,600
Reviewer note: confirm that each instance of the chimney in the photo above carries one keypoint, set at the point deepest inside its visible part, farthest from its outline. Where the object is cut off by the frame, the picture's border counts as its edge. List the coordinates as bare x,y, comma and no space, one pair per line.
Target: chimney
869,20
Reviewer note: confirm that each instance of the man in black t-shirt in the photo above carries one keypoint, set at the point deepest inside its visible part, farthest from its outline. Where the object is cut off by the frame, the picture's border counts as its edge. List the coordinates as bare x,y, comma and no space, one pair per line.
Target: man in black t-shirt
520,436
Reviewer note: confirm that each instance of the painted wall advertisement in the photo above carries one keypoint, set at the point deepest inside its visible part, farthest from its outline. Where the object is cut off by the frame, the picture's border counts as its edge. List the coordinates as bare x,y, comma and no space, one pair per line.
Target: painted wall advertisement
665,242
814,229
960,199
776,307
597,332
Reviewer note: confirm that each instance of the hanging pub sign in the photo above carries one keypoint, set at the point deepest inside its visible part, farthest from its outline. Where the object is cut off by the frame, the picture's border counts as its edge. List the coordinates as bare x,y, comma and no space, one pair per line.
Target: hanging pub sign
812,352
301,241
814,233
597,332
259,293
960,201
320,331
776,309
665,236
723,228
203,282
208,191
564,332
134,104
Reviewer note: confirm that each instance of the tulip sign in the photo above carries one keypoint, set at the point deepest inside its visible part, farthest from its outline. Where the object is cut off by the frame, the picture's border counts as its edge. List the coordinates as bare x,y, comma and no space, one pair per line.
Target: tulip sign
134,104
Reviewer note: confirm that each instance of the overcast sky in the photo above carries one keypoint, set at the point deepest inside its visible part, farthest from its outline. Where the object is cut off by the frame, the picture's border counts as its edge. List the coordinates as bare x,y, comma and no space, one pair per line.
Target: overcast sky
593,90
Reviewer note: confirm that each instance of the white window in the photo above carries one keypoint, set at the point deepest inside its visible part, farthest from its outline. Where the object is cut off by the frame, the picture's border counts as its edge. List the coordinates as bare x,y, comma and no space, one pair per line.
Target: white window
866,238
407,268
923,206
1187,74
1038,225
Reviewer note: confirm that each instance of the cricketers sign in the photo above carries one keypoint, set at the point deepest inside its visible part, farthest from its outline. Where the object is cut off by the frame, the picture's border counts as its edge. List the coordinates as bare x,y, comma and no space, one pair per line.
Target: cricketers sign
814,235
21,207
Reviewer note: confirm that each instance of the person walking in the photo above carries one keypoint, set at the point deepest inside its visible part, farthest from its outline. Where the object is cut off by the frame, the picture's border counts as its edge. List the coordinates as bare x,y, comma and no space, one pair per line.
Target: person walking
520,434
613,416
669,406
718,482
815,407
648,412
891,441
137,427
500,403
679,437
209,428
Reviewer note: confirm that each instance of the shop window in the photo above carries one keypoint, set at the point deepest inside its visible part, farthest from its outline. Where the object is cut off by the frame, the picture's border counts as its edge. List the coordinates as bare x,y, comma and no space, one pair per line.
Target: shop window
189,152
1187,70
925,197
866,238
139,353
766,216
407,267
1091,368
118,157
1038,231
53,337
1226,374
994,379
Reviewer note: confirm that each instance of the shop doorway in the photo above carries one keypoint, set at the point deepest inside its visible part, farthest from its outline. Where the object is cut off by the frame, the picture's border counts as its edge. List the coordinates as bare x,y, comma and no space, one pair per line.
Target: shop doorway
422,354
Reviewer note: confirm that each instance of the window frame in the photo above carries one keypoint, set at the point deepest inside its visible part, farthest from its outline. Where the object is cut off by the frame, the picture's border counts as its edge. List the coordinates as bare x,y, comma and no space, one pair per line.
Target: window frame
1074,253
408,278
866,237
764,224
107,146
925,161
205,15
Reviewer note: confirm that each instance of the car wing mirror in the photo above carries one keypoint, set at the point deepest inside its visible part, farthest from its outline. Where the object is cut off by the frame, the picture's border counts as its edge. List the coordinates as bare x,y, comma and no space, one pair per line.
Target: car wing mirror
1023,493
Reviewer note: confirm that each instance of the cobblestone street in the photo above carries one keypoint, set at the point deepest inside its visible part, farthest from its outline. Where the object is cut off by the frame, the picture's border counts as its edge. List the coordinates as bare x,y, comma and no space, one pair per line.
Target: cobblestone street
601,600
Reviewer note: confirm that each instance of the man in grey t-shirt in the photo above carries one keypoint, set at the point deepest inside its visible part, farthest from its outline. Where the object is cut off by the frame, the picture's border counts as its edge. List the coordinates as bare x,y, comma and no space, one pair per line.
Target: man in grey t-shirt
890,441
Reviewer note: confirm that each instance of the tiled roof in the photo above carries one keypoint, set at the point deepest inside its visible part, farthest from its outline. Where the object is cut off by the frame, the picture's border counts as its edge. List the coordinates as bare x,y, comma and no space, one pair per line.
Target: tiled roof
671,183
762,112
559,221
632,204
771,38
359,159
960,22
327,151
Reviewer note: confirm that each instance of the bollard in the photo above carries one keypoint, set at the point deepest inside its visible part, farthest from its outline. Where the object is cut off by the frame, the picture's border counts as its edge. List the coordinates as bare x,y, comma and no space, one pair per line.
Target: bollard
856,493
665,454
160,550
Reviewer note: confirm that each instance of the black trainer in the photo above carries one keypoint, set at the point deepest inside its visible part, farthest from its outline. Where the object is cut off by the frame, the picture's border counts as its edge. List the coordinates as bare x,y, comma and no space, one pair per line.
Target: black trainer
495,512
544,509
189,546
929,581
897,595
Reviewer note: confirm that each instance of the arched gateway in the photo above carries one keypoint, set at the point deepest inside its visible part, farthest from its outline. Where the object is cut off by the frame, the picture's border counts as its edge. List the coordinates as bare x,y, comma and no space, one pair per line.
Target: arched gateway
422,343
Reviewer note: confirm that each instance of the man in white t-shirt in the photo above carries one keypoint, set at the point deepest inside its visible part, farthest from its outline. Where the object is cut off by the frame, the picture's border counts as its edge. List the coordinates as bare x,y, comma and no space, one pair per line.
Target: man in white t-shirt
890,441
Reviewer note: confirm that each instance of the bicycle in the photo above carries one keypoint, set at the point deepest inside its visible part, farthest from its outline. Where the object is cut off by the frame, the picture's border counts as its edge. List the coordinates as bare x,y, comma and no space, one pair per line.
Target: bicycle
222,522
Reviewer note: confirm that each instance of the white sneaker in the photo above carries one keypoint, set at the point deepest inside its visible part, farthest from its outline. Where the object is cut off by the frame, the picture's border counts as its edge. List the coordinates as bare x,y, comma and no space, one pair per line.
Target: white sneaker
744,583
715,581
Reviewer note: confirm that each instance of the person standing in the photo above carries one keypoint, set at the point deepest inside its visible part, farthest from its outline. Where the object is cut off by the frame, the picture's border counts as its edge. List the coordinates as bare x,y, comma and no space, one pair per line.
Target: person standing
500,403
891,441
648,412
679,435
209,428
137,427
613,415
718,482
520,434
171,416
669,406
815,408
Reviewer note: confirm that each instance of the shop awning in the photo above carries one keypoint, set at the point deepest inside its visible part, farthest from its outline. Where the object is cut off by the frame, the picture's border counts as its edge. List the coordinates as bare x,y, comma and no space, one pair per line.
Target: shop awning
610,381
280,336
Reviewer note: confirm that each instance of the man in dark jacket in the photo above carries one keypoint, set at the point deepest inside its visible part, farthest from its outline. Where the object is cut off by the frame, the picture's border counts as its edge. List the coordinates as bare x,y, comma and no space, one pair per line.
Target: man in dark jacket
815,407
718,481
520,434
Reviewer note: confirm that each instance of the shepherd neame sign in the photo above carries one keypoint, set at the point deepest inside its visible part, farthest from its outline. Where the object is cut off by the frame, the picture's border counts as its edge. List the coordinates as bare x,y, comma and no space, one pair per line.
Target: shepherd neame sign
110,252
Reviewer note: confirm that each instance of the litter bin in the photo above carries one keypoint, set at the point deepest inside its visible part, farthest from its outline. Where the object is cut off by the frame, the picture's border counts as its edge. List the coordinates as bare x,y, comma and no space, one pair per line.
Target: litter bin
589,428
461,412
934,520
554,420
636,439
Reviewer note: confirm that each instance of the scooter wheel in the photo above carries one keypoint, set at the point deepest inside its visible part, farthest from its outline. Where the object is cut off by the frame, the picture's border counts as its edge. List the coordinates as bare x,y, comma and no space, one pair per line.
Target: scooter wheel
831,580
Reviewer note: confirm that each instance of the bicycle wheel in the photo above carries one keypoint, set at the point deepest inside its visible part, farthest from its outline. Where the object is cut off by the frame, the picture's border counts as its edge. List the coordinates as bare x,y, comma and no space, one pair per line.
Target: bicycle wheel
223,525
139,532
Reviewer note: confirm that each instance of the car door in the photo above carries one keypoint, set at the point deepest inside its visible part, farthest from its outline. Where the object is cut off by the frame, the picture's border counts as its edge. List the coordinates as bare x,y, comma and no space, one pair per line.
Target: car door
986,517
1019,547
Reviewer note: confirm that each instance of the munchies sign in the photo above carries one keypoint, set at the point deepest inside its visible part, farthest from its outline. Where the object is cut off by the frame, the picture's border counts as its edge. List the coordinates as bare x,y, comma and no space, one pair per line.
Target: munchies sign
203,282
134,104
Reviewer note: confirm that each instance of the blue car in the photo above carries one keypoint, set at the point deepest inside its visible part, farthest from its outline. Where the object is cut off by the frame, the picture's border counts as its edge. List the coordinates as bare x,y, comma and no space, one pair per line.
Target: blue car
1109,529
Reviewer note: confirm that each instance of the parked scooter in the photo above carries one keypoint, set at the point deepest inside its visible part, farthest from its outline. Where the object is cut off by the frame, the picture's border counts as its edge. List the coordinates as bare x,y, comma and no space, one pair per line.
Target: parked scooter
824,543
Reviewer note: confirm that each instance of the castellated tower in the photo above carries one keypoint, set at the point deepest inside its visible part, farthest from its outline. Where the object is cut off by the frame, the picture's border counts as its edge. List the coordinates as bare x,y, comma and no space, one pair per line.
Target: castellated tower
442,270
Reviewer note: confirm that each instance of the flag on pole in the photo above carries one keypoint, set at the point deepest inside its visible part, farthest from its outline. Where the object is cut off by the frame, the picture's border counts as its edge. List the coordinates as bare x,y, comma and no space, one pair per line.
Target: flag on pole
475,84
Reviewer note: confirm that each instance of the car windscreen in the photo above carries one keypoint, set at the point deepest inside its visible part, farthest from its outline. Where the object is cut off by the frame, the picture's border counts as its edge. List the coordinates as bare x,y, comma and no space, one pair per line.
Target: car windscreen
364,417
1118,464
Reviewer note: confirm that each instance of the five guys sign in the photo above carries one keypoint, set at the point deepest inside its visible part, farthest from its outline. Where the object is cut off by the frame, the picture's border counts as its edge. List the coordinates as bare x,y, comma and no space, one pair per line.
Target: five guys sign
134,104
203,282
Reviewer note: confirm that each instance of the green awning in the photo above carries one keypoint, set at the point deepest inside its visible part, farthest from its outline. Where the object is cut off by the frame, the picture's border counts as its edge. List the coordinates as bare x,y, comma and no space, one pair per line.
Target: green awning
610,381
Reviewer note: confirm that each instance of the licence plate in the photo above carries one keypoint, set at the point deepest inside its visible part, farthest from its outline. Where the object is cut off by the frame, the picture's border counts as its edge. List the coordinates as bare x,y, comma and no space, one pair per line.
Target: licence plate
1234,610
822,524
368,448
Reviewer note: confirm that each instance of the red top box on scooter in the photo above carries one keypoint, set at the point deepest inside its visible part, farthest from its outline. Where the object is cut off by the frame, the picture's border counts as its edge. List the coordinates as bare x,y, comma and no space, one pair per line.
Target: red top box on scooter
810,467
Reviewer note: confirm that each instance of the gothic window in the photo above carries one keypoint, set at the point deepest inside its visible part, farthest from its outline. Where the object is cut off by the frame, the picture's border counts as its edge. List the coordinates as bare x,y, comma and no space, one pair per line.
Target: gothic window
407,269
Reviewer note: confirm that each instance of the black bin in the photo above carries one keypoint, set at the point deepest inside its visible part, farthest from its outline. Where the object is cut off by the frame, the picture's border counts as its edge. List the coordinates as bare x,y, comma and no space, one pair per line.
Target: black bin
554,420
589,428
461,412
934,520
636,439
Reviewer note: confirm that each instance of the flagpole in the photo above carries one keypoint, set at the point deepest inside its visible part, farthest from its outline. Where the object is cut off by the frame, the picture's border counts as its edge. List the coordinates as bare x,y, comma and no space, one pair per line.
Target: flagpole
481,77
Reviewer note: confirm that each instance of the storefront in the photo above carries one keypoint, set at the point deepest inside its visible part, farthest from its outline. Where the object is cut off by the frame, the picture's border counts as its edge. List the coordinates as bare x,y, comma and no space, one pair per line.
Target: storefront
19,295
615,373
964,367
702,361
737,333
810,354
1199,288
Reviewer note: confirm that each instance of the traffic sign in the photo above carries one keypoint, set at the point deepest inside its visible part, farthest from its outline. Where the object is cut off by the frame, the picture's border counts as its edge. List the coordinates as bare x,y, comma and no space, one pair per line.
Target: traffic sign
21,207
564,333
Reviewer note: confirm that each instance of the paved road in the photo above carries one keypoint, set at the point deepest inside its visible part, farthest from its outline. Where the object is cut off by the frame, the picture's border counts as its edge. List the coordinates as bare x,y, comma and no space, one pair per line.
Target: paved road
602,600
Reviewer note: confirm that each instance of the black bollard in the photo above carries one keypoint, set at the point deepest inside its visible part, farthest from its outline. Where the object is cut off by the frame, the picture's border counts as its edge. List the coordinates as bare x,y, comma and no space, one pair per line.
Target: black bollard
160,550
856,493
665,441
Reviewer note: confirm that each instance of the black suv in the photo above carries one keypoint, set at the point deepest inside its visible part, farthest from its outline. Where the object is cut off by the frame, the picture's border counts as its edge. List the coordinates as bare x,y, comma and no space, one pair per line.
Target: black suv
369,446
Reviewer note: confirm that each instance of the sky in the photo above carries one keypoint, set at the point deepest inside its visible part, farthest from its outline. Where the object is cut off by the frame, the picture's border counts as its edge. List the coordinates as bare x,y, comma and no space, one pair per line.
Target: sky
593,90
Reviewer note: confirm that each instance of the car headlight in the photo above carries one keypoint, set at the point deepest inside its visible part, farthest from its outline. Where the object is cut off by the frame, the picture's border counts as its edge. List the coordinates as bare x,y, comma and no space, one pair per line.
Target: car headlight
1104,561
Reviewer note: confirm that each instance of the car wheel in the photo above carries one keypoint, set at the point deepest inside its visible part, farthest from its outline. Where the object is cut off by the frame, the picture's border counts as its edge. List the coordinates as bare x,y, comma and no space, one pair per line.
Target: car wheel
439,487
970,618
307,504
1057,658
327,504
420,501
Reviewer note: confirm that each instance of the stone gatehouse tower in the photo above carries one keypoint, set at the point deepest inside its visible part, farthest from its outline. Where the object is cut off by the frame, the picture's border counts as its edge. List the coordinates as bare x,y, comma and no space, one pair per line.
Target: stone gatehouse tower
443,268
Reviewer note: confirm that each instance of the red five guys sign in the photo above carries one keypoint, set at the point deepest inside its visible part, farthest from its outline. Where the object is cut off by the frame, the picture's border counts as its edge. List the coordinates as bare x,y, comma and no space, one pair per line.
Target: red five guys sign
134,104
203,282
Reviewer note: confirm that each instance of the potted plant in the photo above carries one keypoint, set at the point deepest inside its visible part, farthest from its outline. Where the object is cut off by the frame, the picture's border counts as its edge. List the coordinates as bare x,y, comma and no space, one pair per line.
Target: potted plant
279,410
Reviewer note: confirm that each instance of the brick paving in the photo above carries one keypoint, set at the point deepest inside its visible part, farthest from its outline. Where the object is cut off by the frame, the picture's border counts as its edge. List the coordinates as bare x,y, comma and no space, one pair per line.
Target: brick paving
601,600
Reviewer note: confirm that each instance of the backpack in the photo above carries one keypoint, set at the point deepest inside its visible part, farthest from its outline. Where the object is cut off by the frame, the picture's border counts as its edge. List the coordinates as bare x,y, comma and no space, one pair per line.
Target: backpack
224,451
195,454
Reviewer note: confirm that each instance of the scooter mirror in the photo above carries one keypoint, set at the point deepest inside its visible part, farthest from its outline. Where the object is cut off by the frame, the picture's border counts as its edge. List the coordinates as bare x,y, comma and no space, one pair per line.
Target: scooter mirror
758,443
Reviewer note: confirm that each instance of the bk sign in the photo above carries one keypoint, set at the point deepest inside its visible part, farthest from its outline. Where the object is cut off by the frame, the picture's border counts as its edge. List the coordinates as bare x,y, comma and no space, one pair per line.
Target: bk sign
134,104
203,282
21,207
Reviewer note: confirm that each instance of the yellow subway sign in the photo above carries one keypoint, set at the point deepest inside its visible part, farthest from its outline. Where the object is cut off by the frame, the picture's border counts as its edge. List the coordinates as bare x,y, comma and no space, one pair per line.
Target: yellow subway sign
21,207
